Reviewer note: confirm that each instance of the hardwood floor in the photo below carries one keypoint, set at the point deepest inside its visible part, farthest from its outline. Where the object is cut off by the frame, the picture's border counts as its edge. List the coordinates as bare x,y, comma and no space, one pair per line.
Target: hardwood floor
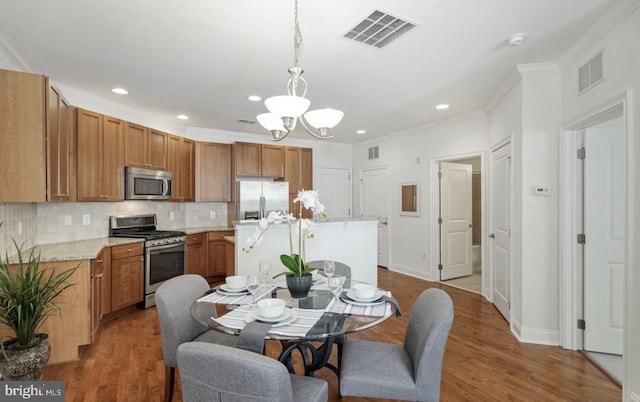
482,362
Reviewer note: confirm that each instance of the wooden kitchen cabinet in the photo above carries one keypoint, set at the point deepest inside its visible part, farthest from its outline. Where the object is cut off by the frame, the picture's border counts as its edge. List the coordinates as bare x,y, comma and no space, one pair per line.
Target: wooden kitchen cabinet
100,157
127,275
217,254
23,136
230,252
181,163
60,148
213,172
100,289
197,254
72,327
259,160
299,174
145,147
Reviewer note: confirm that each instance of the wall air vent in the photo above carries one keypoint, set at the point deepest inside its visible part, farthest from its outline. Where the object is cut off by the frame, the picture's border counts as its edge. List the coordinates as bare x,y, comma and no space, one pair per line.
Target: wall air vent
244,121
591,73
379,29
374,152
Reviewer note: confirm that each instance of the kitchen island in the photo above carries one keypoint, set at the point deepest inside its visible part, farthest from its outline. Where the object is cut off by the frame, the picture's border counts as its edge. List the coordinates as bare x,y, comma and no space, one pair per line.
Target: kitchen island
350,241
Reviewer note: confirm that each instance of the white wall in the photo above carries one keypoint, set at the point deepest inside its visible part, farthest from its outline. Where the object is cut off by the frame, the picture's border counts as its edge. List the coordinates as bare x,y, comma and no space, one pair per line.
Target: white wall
539,259
622,73
408,156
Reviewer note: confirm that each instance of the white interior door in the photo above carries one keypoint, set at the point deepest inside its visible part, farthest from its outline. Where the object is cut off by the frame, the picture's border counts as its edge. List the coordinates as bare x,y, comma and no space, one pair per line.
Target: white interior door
500,206
604,228
373,203
334,188
456,213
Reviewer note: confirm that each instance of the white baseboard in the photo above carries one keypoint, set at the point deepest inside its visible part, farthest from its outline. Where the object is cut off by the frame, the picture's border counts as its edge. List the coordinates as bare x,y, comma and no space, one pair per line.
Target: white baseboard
540,336
410,272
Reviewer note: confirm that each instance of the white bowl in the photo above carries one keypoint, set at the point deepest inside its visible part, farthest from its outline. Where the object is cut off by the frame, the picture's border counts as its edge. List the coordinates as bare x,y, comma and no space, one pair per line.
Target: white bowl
364,291
236,282
271,308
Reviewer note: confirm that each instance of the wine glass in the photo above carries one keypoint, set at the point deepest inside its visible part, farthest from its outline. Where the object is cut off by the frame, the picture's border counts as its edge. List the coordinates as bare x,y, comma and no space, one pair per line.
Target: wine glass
265,268
329,268
335,285
253,284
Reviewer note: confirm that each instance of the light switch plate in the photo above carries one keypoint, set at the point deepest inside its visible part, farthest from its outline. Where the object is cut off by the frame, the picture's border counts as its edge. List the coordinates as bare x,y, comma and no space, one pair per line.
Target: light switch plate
543,191
212,214
86,219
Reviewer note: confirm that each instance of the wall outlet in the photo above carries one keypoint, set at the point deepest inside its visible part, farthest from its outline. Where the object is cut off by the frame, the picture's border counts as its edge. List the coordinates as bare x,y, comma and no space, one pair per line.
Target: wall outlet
67,220
19,228
172,215
212,214
86,219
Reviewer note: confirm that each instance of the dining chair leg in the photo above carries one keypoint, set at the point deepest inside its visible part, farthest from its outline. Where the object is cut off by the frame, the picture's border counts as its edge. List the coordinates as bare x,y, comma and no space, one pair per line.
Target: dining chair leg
169,382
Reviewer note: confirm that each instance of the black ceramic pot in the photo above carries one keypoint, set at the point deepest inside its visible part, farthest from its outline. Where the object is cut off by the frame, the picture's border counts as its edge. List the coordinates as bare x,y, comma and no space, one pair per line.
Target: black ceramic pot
299,285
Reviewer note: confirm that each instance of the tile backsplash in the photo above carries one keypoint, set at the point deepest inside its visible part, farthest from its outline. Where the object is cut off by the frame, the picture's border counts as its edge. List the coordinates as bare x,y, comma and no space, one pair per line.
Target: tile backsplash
44,223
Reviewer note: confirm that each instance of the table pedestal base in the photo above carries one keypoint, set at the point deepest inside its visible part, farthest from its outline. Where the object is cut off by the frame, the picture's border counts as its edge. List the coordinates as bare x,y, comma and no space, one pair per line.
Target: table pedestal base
313,358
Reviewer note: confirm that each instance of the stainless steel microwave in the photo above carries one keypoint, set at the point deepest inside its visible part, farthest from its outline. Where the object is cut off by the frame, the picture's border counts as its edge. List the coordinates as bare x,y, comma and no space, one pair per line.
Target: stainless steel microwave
147,184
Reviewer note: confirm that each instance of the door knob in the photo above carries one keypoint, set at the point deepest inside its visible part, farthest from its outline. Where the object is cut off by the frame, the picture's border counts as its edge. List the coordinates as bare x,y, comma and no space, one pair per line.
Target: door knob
492,235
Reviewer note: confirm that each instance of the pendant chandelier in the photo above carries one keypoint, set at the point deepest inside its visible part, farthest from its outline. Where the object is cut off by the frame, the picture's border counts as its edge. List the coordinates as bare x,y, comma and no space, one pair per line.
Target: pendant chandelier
285,110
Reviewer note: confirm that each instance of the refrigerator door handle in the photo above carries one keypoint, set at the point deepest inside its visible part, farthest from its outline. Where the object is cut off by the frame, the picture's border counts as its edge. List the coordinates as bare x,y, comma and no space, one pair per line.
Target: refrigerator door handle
262,208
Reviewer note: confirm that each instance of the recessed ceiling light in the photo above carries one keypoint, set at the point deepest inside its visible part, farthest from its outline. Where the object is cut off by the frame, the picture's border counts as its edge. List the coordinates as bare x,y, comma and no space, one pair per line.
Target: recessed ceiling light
254,98
442,106
119,91
361,132
182,117
516,39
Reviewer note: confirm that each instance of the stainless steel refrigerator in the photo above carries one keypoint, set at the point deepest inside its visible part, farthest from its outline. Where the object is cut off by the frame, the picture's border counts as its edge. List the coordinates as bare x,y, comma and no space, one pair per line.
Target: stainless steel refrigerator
257,198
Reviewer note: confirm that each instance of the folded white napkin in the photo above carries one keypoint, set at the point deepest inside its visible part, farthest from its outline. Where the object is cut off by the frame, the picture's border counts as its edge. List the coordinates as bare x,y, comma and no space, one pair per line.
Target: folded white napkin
219,298
305,321
377,310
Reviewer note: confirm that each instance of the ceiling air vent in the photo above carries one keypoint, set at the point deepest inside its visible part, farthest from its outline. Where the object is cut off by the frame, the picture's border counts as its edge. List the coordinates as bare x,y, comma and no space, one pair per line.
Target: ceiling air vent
591,73
374,152
379,29
244,121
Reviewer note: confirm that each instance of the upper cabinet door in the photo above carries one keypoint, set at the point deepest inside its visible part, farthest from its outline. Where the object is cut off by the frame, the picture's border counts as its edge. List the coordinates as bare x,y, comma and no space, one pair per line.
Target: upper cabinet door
213,173
135,149
23,177
248,159
157,146
272,161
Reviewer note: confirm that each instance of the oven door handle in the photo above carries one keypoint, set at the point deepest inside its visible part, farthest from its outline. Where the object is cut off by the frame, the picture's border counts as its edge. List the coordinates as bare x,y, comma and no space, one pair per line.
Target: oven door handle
156,249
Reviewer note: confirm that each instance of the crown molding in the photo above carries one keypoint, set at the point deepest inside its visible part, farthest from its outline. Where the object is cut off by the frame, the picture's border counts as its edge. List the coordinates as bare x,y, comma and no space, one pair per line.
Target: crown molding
13,53
533,69
612,18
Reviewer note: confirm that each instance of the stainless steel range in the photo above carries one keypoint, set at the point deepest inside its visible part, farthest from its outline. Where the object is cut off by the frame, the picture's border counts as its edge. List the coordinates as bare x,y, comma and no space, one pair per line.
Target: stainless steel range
165,250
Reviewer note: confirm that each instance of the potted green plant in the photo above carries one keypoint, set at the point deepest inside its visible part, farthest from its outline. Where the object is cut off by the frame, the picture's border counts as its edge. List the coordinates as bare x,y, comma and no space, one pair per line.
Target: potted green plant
298,274
27,297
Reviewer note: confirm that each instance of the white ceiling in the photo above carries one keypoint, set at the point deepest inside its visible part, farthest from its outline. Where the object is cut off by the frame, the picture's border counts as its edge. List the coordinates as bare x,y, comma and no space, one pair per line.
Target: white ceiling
204,57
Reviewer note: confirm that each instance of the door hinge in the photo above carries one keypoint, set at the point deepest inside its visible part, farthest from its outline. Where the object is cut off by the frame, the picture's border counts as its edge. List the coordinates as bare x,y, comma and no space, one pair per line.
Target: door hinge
581,238
440,174
349,211
581,324
440,267
349,177
440,220
581,153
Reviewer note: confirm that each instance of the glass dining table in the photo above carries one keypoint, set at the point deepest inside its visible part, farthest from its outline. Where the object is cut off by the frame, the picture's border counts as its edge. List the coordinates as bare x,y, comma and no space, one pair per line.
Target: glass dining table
320,318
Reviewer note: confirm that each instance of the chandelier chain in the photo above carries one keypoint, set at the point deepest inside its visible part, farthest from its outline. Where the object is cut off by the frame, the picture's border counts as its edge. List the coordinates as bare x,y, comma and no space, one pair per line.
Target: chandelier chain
297,36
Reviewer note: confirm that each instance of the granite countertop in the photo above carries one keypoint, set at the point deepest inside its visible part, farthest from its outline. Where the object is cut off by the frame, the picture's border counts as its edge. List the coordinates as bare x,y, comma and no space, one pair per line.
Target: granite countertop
75,250
191,231
321,220
90,248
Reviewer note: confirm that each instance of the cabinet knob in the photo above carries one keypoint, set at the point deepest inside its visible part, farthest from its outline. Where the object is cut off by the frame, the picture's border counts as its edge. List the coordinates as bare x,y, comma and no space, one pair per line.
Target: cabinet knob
100,261
129,250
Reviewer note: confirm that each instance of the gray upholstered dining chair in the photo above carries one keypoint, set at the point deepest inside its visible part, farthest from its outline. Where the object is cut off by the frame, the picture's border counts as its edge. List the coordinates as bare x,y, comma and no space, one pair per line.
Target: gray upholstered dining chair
409,372
210,372
173,302
342,269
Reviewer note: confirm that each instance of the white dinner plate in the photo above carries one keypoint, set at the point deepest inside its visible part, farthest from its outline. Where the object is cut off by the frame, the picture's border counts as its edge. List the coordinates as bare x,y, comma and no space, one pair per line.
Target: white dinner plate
287,317
227,289
374,300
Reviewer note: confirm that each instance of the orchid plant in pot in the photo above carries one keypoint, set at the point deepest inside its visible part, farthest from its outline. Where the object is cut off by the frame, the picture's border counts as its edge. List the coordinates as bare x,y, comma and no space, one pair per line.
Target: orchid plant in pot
298,274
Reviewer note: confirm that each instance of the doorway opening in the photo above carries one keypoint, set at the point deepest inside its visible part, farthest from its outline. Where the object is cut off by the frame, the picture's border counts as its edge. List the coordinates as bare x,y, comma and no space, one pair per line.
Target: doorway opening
595,209
460,222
